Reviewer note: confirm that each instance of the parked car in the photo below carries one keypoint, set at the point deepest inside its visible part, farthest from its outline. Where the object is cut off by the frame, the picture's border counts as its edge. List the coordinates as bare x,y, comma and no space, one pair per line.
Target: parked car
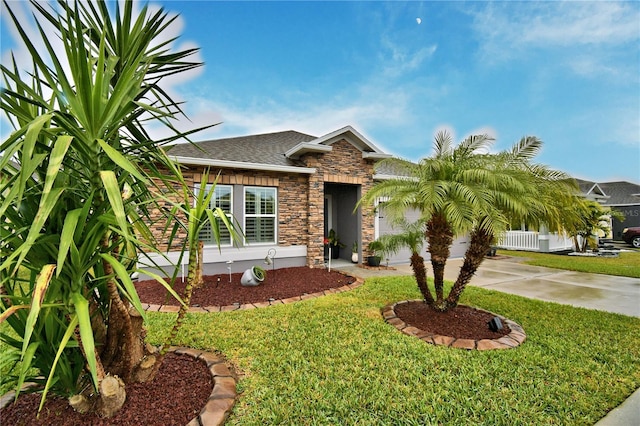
632,236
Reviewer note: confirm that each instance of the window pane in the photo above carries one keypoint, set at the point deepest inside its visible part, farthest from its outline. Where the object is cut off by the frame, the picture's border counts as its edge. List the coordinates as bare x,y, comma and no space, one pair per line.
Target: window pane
260,215
250,201
260,230
268,205
260,201
222,198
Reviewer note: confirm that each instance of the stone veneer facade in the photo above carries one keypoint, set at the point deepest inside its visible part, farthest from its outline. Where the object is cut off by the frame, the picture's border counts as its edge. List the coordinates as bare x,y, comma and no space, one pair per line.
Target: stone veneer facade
300,196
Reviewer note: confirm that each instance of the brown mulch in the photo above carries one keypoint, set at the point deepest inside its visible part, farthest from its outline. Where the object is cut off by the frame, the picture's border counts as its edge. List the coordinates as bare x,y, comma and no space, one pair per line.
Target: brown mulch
183,384
218,291
174,397
462,322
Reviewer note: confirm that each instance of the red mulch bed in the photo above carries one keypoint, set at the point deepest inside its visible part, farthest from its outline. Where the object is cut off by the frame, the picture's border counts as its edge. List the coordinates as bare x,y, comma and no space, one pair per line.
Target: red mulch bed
462,322
175,396
218,291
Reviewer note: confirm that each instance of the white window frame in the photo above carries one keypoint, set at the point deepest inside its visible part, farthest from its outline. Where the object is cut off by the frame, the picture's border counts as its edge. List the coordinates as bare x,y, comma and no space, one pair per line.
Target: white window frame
214,204
274,215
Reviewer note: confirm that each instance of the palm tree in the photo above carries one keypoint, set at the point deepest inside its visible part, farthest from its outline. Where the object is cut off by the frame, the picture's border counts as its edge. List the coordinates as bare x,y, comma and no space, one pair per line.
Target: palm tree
586,219
76,206
411,237
465,190
516,189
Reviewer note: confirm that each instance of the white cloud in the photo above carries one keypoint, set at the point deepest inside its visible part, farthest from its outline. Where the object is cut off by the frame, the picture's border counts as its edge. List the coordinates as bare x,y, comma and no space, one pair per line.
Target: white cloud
398,59
370,108
583,23
24,14
558,23
584,32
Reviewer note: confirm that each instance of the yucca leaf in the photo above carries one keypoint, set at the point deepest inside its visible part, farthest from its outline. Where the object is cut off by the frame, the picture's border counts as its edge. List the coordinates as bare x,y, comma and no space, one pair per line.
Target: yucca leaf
26,360
46,205
62,345
66,237
28,147
130,290
110,183
37,297
81,306
12,309
165,284
120,160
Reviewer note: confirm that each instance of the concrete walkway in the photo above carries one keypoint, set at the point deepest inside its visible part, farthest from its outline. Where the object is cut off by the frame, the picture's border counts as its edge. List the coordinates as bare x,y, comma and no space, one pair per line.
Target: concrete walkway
593,291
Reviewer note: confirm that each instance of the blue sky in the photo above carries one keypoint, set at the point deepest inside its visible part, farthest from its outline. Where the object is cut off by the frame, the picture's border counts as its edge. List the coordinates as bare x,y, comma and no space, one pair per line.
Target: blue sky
567,72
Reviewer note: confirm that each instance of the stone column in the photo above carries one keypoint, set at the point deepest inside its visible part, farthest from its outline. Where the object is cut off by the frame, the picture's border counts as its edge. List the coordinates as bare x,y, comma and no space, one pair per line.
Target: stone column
315,220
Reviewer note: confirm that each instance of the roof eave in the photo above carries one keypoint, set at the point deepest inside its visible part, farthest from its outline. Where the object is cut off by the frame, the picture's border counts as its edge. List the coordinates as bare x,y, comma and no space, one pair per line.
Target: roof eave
305,147
375,156
369,150
384,176
242,165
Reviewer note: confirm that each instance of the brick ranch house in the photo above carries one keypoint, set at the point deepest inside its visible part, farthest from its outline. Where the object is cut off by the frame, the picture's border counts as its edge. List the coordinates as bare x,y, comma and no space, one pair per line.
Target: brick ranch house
286,190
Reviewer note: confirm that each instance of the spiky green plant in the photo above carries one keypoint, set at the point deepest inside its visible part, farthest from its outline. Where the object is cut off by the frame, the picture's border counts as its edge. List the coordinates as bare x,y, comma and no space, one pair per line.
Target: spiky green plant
79,178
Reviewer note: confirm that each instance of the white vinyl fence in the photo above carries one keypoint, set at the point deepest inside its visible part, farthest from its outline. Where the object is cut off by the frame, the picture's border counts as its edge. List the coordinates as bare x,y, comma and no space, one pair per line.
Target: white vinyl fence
531,241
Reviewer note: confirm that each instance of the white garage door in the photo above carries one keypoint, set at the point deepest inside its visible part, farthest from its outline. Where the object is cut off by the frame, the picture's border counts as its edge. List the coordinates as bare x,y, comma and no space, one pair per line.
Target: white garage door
383,227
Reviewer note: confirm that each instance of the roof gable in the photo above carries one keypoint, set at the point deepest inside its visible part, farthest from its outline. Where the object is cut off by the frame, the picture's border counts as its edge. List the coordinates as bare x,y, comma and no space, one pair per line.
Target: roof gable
621,193
323,144
611,193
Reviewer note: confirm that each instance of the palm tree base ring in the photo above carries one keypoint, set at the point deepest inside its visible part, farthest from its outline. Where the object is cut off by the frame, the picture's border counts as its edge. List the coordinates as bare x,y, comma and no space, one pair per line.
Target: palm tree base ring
514,339
223,395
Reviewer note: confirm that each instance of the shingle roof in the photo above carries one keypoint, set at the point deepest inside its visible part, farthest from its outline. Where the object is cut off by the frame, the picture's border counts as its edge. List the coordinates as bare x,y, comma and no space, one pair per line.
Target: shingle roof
621,193
616,193
268,148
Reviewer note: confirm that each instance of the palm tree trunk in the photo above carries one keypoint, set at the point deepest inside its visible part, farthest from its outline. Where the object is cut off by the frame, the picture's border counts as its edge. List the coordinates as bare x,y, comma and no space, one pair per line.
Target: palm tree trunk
121,341
480,243
576,243
440,237
420,272
194,278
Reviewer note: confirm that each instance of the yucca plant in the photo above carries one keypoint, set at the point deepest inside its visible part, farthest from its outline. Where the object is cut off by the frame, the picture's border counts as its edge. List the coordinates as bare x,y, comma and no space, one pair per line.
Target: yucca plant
191,219
79,177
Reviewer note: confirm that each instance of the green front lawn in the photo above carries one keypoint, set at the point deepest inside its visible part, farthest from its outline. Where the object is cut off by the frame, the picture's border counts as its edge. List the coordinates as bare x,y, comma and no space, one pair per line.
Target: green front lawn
333,360
626,265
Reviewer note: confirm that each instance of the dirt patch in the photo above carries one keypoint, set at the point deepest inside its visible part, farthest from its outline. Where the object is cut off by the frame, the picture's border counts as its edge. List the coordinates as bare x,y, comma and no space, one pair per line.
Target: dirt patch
219,291
461,322
174,397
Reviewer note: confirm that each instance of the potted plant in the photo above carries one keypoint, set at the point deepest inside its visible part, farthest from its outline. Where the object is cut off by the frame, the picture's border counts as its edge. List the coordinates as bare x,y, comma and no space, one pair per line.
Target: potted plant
253,276
354,252
334,244
376,248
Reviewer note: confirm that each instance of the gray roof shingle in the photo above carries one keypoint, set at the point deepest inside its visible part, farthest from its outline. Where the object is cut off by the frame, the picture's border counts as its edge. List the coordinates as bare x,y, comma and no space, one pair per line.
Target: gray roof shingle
268,148
617,193
621,193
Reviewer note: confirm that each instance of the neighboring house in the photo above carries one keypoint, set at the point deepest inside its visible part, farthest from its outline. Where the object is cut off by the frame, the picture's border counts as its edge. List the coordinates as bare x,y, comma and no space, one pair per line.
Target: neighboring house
621,196
286,190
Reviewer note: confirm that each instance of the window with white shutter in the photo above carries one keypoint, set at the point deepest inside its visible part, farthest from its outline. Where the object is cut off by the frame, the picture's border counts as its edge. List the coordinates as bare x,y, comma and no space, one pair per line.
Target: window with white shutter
260,205
223,199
